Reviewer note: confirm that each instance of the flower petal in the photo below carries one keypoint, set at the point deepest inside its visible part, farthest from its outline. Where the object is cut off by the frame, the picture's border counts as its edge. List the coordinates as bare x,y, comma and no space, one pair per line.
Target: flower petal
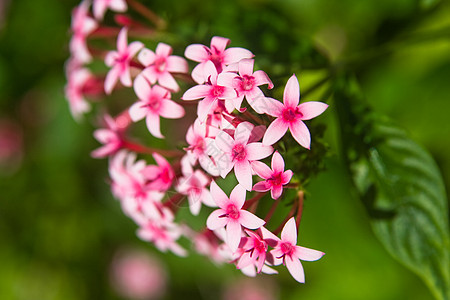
261,186
235,54
262,78
142,88
219,43
122,40
261,169
171,110
257,151
163,50
271,107
214,220
197,52
177,64
291,94
153,125
295,267
243,173
196,92
277,163
312,109
146,57
137,111
218,195
237,196
234,233
249,220
276,130
111,79
289,232
308,254
276,191
246,67
166,80
301,133
224,142
242,132
286,177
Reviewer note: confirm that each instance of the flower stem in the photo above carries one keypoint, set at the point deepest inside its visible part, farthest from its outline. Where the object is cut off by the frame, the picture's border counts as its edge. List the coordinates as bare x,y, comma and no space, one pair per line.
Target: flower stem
253,200
149,150
272,210
148,13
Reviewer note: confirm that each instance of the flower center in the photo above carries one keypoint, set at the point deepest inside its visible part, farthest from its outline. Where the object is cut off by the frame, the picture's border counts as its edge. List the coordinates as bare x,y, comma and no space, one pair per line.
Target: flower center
239,152
286,248
199,146
165,176
275,180
153,103
216,58
160,64
247,82
290,114
217,91
233,212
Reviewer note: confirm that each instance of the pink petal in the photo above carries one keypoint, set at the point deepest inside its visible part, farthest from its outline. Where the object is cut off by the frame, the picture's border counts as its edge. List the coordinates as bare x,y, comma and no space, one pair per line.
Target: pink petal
308,254
196,92
194,204
218,195
224,141
125,76
118,5
237,102
286,177
210,72
261,186
291,94
227,79
146,57
163,50
257,151
196,52
153,125
289,232
122,40
272,107
167,81
234,233
245,260
301,133
257,100
277,162
237,196
198,73
150,74
276,191
134,48
137,112
295,268
142,88
104,135
243,173
111,79
276,130
232,55
228,93
214,220
99,9
220,43
249,220
171,110
261,169
110,58
242,132
262,78
246,67
312,109
177,64
160,92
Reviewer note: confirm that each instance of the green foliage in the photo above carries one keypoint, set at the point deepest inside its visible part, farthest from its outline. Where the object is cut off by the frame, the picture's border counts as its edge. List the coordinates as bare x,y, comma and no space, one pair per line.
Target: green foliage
401,187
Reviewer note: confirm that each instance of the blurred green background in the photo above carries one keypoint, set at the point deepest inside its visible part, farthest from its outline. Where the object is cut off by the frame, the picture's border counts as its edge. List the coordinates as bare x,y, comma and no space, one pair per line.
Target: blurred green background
59,224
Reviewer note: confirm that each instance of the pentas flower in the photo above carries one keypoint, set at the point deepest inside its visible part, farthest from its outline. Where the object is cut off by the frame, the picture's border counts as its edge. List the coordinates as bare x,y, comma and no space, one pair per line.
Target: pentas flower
161,176
110,137
246,84
82,25
193,184
291,115
153,103
217,54
287,252
160,64
210,93
99,7
119,61
74,90
231,215
275,178
236,152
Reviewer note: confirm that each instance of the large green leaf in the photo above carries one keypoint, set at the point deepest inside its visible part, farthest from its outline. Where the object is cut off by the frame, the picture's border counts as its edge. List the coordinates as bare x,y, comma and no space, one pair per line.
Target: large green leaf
401,186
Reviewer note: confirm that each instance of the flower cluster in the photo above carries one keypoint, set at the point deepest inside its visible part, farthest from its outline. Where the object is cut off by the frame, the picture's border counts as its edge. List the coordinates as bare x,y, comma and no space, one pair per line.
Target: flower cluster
228,136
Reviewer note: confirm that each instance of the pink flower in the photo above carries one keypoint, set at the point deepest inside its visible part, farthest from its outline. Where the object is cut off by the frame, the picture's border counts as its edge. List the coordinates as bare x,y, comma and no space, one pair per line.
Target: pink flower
100,7
231,215
161,176
289,253
153,103
210,92
291,115
119,61
238,153
217,54
159,65
246,84
193,184
255,249
275,178
74,90
111,137
82,25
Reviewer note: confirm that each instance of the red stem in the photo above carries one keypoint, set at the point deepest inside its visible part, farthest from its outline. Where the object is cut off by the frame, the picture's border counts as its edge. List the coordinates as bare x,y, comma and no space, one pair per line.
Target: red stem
147,13
149,150
253,200
272,210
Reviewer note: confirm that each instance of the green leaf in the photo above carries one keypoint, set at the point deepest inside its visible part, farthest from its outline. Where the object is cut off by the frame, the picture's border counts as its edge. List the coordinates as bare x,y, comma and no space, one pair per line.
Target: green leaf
401,186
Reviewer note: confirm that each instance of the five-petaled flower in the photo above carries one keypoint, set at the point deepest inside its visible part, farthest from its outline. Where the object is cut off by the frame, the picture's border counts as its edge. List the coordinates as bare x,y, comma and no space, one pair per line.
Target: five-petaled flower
153,102
119,61
231,214
275,178
291,115
288,253
217,54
